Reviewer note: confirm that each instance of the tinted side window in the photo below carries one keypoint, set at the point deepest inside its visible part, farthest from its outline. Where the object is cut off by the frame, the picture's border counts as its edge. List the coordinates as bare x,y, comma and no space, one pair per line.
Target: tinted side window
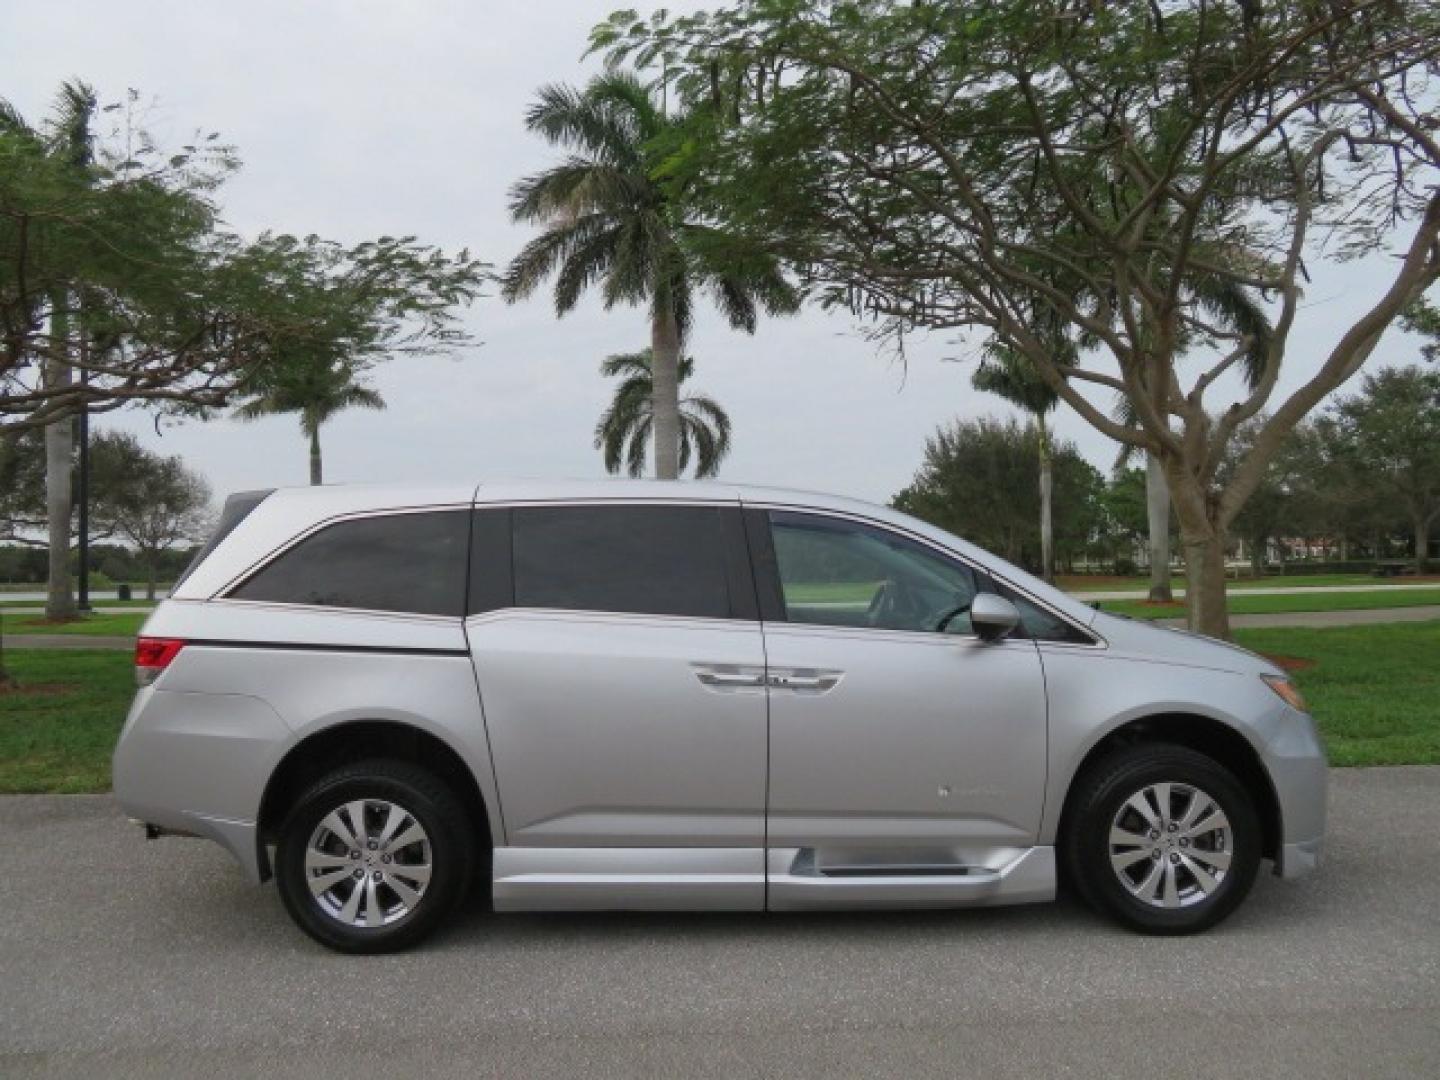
1041,624
654,560
398,562
840,573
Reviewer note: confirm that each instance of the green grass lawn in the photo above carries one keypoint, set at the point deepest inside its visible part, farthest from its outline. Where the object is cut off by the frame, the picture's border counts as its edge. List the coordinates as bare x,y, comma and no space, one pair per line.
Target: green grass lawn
1374,690
830,592
58,731
1265,605
91,625
33,604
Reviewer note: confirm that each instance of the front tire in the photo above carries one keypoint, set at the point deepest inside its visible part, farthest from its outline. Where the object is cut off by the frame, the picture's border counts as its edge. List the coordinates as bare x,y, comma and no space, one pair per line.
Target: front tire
1163,839
374,856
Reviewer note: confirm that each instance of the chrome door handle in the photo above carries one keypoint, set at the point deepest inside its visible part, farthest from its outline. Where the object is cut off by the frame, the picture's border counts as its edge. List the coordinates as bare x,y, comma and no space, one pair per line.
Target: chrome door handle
729,680
782,680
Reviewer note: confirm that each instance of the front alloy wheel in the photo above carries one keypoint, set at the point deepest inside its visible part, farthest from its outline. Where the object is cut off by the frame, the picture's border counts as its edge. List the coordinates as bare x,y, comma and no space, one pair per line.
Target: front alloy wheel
1162,838
1170,845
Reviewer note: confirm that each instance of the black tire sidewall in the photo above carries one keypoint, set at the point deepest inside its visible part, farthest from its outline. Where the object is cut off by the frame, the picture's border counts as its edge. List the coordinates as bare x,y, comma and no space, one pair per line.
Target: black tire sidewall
1114,781
439,814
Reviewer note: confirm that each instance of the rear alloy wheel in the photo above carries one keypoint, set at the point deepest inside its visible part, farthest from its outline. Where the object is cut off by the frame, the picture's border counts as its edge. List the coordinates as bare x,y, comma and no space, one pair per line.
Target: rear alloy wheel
1162,838
374,856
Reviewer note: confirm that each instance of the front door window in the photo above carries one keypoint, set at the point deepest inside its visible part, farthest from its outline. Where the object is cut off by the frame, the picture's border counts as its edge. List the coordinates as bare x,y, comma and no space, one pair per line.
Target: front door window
840,573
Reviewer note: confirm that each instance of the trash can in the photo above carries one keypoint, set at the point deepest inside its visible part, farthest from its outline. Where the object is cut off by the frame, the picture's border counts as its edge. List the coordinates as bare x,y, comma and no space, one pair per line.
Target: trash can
122,591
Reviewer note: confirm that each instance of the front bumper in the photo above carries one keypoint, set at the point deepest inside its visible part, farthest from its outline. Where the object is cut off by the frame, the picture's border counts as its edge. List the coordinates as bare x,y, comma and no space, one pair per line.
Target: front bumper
1300,773
1297,860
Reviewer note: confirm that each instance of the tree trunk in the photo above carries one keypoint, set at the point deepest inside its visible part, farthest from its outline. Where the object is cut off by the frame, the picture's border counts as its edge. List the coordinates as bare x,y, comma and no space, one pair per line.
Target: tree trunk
152,567
1422,543
665,394
1209,612
316,470
1047,493
59,460
1157,512
1203,536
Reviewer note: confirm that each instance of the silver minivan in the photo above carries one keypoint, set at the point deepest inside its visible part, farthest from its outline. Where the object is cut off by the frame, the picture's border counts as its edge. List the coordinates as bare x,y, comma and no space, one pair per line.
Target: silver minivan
639,695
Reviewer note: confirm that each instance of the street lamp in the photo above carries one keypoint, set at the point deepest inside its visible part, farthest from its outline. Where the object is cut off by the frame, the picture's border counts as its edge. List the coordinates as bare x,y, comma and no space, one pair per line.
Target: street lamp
83,590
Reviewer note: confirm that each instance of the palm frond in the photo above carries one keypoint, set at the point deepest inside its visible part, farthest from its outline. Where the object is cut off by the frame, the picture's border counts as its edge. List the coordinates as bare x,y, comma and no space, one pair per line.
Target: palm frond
639,441
1236,306
11,122
70,129
633,363
736,302
574,187
1010,375
704,421
623,431
546,252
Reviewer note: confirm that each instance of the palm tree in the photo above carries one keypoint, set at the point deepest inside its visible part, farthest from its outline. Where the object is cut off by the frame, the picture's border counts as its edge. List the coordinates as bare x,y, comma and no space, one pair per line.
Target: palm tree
316,391
625,427
609,218
68,135
1234,307
1011,376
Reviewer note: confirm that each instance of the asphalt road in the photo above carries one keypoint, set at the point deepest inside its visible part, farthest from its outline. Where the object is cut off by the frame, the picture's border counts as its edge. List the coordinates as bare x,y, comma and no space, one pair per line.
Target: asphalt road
125,958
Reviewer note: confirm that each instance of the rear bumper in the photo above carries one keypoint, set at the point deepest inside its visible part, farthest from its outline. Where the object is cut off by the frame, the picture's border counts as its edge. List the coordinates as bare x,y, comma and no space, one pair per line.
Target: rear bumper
197,764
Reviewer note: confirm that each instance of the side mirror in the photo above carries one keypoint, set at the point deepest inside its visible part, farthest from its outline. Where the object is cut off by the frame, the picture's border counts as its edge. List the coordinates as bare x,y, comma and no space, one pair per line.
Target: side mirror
993,616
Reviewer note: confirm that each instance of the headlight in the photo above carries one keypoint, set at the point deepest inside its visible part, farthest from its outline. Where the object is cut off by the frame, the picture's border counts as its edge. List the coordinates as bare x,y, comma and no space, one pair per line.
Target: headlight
1287,690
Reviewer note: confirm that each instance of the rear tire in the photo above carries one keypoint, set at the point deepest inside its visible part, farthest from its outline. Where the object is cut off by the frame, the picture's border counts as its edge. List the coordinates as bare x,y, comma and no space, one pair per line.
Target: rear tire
1162,839
374,856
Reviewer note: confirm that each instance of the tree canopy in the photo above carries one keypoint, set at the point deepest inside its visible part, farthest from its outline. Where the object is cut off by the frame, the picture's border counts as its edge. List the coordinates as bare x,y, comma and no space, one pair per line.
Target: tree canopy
119,268
1004,167
978,480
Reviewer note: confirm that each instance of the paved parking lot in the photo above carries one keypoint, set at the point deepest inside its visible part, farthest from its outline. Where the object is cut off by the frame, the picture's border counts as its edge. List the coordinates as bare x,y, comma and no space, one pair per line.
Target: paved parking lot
122,958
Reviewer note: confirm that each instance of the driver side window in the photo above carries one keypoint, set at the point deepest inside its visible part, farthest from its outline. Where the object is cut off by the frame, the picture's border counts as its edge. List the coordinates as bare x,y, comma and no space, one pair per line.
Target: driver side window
840,573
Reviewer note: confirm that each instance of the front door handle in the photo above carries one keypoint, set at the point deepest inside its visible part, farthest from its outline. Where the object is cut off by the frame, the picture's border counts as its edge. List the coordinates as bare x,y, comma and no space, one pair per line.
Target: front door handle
730,678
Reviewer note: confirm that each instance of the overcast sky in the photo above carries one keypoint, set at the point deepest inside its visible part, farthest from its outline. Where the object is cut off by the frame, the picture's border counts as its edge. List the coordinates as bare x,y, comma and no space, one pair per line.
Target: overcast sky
368,117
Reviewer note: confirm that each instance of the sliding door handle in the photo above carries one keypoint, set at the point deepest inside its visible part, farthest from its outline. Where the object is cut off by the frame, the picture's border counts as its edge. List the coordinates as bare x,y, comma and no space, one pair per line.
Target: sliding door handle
794,680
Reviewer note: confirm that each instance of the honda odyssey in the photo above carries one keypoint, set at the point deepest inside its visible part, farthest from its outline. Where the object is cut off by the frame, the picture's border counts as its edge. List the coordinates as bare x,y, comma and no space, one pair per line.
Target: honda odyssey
666,696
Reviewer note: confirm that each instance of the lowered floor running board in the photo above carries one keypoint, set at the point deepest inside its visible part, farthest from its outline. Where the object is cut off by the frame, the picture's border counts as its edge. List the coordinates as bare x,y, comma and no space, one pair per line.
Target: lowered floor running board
750,879
794,883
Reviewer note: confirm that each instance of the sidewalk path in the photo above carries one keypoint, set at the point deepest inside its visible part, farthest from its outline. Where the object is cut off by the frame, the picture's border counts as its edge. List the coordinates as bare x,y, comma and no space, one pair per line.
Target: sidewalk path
1278,590
1361,617
69,641
6,612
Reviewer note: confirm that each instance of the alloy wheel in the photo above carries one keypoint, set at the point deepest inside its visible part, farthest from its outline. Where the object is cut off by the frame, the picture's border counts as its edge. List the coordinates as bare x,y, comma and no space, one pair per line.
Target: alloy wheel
368,863
1171,845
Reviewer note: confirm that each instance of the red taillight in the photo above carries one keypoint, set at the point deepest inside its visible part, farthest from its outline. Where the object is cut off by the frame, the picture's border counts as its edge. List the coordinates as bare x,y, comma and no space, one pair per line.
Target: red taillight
153,655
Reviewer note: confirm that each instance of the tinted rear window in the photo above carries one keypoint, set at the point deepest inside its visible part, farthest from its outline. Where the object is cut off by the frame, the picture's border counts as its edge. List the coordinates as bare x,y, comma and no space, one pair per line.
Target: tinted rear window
398,562
657,560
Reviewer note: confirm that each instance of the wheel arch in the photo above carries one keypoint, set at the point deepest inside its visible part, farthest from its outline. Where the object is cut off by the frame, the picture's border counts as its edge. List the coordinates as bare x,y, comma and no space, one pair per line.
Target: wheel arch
354,740
1206,735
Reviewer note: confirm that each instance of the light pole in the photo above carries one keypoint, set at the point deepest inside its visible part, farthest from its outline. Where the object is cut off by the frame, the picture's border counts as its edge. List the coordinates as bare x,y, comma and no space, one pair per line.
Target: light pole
83,585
